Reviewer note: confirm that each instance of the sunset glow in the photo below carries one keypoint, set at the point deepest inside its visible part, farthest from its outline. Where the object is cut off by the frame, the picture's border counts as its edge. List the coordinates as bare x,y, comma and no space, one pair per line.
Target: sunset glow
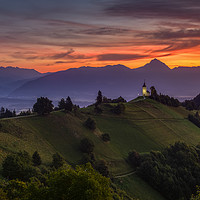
56,35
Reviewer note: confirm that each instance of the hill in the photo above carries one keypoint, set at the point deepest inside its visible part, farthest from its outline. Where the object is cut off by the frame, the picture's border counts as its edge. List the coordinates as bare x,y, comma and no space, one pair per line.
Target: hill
82,83
146,125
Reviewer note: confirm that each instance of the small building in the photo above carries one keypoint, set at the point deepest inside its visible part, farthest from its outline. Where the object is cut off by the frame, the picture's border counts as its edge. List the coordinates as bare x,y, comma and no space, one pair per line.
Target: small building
145,92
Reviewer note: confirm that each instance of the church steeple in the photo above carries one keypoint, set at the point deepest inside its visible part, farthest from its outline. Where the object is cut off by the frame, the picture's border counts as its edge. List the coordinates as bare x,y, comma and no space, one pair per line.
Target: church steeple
145,92
144,85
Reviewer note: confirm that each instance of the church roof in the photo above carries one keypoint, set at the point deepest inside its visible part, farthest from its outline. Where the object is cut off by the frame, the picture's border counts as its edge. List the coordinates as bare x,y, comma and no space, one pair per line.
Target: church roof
144,85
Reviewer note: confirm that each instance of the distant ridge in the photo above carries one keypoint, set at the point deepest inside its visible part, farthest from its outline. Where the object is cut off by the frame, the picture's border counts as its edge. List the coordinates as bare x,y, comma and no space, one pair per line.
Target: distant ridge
13,77
114,80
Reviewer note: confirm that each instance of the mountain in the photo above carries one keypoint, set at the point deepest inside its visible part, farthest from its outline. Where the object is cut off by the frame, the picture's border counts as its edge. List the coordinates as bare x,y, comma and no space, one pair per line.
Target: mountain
144,126
154,66
11,74
13,77
83,83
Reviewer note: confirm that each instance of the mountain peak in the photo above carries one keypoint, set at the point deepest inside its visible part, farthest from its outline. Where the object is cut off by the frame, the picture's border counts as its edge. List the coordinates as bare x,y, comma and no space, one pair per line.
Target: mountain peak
155,65
155,60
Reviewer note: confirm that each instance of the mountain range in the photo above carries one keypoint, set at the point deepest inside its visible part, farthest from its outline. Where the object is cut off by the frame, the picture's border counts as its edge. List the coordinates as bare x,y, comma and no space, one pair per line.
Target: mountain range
13,77
82,84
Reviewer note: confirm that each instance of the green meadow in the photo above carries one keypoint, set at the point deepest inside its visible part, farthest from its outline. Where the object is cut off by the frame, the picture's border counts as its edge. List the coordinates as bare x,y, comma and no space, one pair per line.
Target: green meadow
144,126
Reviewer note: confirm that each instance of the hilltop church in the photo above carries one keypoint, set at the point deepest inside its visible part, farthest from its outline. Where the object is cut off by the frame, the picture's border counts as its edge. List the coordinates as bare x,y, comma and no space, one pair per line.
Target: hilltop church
145,92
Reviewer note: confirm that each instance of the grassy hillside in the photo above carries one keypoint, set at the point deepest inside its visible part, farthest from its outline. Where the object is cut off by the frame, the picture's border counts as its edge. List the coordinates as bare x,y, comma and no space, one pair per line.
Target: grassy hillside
146,125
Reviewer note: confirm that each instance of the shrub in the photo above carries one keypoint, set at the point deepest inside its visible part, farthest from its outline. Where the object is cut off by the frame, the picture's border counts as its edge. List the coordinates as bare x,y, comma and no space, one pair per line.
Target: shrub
58,160
86,146
105,137
120,108
102,168
90,123
36,159
18,166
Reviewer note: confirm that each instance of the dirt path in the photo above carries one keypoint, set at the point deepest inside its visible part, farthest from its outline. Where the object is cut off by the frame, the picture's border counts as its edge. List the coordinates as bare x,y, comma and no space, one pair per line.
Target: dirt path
125,175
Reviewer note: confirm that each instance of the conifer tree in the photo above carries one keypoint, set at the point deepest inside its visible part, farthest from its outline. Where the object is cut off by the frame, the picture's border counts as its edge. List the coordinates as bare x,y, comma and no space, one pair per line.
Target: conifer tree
68,104
99,98
61,104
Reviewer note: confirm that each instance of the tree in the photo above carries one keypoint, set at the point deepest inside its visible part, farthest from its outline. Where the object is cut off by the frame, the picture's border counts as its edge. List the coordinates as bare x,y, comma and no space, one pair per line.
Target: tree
43,106
90,123
119,100
61,104
154,94
2,111
36,159
99,98
134,158
86,146
68,104
58,161
14,113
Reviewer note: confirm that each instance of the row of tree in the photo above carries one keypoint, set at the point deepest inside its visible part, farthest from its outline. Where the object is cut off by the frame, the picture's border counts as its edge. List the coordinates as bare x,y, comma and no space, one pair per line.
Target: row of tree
6,113
164,99
45,106
118,109
193,104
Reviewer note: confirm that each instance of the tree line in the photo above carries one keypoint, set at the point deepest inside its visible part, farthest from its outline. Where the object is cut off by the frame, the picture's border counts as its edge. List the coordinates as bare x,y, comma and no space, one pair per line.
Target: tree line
164,99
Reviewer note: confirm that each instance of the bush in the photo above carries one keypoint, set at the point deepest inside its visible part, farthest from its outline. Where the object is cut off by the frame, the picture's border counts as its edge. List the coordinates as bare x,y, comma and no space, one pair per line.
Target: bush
36,159
120,108
18,166
90,123
86,146
102,168
58,161
105,137
88,158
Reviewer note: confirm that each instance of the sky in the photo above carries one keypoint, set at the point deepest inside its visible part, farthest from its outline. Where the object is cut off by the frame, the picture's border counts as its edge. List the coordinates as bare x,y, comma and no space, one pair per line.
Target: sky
52,35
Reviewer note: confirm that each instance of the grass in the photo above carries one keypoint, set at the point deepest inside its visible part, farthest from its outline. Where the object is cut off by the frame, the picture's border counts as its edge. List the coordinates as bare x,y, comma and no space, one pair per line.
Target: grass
146,125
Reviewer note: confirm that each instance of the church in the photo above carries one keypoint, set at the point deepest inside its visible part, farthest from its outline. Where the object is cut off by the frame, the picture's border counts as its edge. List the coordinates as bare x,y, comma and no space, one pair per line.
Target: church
145,92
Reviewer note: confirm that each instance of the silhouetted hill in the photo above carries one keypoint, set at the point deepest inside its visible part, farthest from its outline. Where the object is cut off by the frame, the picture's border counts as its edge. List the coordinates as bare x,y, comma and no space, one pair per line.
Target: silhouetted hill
84,82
